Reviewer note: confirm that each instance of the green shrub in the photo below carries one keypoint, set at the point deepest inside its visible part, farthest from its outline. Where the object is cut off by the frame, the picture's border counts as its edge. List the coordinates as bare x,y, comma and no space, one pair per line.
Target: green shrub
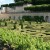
29,22
9,18
16,4
21,26
15,22
4,20
14,26
39,2
36,19
11,22
22,41
42,27
28,27
5,5
27,18
35,8
5,23
0,20
21,23
0,23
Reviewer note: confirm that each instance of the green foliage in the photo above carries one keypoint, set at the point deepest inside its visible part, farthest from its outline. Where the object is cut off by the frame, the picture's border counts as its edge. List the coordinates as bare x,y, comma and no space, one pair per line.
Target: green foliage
43,7
21,23
18,0
15,22
0,20
5,23
16,4
9,18
25,1
19,3
36,18
0,23
35,2
39,19
21,26
27,18
30,22
5,5
14,26
22,41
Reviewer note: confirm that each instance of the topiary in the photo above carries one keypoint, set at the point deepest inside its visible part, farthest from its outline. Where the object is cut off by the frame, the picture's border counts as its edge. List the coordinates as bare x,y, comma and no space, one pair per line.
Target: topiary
14,26
5,23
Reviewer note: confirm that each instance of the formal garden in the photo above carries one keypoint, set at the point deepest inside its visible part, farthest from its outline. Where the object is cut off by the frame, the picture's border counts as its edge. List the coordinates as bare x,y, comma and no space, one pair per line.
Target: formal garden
24,34
28,32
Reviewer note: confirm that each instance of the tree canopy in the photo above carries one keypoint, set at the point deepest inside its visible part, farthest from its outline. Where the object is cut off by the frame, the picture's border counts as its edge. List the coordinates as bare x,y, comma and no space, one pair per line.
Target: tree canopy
25,1
35,1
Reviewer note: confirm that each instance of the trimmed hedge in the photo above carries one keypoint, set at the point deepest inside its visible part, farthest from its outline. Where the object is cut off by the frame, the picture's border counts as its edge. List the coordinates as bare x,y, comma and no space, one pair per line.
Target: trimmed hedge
27,18
33,18
38,8
5,5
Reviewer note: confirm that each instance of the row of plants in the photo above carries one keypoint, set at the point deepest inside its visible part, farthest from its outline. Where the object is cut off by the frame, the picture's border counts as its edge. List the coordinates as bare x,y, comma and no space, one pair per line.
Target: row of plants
33,18
35,8
19,41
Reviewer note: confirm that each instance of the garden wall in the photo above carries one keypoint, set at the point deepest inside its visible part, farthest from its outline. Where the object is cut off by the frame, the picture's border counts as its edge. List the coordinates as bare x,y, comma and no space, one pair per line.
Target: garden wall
16,15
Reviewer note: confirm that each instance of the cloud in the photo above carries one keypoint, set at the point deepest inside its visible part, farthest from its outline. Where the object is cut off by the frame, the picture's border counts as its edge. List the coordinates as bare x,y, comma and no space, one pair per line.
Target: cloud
2,1
6,1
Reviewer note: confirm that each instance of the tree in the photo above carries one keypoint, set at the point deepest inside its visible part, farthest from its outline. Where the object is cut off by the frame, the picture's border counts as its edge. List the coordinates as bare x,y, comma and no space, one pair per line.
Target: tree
35,2
18,0
25,1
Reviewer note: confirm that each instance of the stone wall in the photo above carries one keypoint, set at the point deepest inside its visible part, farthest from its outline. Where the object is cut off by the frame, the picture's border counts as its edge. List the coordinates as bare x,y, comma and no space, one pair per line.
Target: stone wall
16,15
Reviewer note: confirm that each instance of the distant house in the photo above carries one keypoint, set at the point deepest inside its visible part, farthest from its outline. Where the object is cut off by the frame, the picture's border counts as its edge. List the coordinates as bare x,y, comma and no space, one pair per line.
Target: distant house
18,11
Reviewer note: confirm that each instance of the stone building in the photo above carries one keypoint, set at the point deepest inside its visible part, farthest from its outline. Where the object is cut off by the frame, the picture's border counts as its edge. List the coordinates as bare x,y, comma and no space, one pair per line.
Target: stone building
18,11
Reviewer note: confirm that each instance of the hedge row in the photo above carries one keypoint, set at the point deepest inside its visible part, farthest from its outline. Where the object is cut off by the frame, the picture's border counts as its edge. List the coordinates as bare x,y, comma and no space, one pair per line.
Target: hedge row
38,8
34,18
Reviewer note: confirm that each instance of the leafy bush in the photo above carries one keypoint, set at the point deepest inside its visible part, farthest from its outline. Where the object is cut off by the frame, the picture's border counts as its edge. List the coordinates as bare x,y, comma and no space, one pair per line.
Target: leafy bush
0,23
5,5
35,2
28,27
27,18
14,26
22,41
15,22
16,4
39,19
5,23
38,8
9,18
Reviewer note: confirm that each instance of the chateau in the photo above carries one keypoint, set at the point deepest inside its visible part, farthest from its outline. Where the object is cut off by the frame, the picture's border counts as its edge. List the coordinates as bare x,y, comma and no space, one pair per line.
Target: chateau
18,11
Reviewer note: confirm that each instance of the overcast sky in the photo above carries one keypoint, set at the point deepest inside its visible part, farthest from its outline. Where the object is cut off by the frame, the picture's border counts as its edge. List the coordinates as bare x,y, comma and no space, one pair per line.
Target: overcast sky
6,1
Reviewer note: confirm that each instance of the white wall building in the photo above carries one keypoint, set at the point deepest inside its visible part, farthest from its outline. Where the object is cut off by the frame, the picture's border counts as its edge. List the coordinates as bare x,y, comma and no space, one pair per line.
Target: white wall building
19,11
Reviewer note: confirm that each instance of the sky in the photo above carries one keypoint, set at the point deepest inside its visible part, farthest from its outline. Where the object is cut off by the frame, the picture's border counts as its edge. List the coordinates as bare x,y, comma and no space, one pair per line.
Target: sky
6,1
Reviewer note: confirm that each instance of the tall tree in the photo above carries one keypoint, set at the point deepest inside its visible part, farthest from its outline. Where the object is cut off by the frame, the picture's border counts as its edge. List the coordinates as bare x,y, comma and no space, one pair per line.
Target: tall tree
28,1
18,0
